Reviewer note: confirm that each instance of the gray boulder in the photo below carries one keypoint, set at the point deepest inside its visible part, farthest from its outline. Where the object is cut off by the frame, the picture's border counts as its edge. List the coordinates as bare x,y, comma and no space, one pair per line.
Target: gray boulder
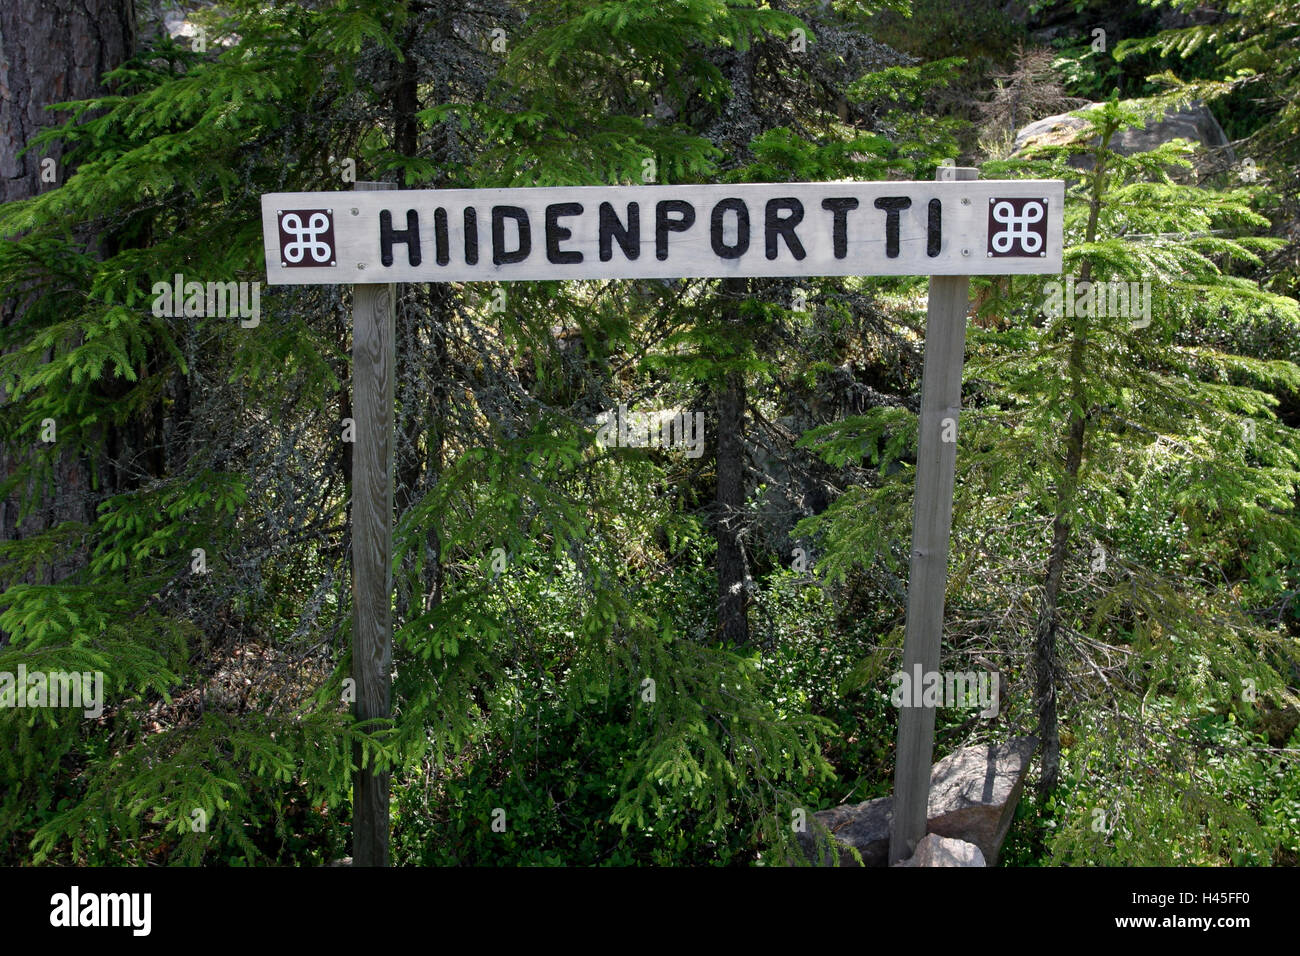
973,797
1193,122
934,850
974,792
863,826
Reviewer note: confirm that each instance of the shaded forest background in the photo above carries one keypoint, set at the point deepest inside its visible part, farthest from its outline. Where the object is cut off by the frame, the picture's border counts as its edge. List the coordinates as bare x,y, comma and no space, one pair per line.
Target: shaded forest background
175,490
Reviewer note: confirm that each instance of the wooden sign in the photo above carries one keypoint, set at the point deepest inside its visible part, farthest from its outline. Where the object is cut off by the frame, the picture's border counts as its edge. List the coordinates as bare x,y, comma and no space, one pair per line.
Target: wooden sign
375,236
986,227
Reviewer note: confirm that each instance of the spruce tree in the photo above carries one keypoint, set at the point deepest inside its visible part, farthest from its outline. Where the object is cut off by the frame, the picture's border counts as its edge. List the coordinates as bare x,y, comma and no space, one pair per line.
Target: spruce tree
1126,501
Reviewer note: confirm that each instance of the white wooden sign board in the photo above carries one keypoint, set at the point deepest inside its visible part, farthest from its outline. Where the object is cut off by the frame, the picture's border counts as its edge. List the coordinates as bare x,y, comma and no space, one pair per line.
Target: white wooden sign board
982,227
373,237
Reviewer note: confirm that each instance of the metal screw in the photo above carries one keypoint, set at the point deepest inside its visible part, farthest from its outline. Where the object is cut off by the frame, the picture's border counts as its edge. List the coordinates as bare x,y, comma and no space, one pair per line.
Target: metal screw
965,252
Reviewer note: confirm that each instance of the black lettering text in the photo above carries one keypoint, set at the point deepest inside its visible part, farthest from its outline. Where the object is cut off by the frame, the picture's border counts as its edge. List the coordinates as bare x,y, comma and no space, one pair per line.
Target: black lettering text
666,223
471,236
892,205
500,255
783,226
720,248
628,239
442,253
839,209
388,236
934,228
556,234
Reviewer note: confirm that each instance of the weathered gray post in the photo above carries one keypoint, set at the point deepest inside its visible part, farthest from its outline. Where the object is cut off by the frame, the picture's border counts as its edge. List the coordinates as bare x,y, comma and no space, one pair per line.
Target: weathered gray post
936,460
373,359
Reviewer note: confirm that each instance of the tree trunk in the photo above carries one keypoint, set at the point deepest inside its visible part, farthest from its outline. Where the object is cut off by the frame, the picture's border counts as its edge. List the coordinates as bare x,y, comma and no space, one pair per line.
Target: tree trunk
50,52
1049,618
733,575
422,372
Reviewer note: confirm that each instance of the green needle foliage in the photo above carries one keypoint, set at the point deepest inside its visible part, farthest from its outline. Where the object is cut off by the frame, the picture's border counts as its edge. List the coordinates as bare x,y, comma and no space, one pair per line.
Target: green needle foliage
208,580
1125,544
1126,522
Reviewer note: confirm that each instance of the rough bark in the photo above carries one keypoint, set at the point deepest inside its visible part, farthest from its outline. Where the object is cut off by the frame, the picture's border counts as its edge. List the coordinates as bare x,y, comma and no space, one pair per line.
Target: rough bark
50,52
733,573
1049,618
422,320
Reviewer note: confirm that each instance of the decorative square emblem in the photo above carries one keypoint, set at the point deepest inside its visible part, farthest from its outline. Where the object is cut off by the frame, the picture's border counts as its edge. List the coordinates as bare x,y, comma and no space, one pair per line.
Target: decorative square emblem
306,237
1017,227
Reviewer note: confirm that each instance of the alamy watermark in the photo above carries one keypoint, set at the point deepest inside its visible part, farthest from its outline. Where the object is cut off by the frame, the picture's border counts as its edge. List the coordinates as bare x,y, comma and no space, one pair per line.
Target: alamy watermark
53,689
179,298
1102,299
77,909
962,689
619,428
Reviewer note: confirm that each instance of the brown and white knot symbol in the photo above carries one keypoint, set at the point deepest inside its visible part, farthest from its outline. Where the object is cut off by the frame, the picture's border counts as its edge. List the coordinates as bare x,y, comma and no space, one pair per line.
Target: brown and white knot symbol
1017,227
306,237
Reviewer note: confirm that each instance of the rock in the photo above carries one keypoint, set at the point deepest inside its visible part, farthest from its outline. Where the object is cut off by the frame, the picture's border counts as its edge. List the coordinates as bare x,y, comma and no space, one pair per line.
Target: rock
178,27
863,826
1193,122
973,797
1049,131
934,850
974,792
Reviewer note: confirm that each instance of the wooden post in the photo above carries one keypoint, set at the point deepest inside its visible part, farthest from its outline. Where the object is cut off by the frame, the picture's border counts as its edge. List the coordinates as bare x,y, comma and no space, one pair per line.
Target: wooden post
373,334
936,460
